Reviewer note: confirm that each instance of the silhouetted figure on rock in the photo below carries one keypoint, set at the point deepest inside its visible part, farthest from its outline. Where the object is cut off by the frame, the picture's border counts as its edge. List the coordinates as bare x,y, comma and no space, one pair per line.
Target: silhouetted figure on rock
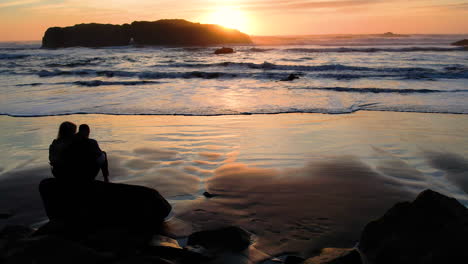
92,148
59,147
77,200
75,157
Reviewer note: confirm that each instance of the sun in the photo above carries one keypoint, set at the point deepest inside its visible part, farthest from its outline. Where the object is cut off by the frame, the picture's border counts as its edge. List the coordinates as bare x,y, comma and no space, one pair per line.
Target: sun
229,17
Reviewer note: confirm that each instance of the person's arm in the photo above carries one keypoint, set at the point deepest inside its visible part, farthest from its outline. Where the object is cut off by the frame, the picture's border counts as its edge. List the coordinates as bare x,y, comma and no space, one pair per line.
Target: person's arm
102,160
105,168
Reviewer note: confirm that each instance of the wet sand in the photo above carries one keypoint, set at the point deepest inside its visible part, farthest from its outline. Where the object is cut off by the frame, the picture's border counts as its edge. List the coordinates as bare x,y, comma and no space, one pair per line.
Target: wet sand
298,182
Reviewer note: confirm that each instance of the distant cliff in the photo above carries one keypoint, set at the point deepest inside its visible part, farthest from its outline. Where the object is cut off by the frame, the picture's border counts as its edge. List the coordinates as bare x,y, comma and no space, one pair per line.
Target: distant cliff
162,32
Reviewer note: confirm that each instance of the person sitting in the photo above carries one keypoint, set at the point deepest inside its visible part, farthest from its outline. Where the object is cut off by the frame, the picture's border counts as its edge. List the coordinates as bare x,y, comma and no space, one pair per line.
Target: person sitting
93,149
59,146
75,158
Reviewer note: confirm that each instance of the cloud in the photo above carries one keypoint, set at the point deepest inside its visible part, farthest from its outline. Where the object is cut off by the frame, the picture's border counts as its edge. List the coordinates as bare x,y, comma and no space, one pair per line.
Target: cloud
18,3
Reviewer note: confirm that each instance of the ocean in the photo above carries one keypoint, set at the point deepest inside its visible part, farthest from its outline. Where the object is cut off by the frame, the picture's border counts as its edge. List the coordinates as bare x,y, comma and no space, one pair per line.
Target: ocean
337,74
302,164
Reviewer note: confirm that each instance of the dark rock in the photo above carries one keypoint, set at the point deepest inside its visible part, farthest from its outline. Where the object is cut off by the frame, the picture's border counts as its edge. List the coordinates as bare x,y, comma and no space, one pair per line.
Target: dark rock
51,249
431,229
392,35
291,77
162,32
10,235
102,206
175,255
143,260
336,256
463,42
293,260
352,257
184,33
87,35
224,50
209,195
227,238
15,232
5,215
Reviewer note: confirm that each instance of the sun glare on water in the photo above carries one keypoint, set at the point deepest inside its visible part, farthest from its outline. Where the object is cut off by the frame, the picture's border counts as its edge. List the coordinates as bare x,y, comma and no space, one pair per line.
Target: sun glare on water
229,17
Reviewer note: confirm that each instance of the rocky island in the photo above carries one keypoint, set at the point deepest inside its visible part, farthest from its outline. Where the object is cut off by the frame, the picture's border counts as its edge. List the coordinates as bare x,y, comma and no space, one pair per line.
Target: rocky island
168,32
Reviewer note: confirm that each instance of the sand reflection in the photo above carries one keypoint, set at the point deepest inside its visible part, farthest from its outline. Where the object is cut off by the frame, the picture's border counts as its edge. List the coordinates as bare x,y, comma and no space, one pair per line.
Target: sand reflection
324,203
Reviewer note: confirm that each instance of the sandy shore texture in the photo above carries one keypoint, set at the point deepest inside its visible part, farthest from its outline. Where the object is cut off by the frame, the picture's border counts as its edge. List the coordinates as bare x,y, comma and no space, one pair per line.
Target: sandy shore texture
298,182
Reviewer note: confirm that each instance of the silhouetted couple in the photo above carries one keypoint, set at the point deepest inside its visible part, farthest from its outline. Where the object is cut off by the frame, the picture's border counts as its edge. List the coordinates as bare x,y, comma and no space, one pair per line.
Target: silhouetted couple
76,199
75,157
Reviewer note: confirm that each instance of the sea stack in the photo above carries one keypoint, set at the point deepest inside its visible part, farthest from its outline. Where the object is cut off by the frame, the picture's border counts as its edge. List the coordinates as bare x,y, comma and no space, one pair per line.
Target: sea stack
463,42
168,32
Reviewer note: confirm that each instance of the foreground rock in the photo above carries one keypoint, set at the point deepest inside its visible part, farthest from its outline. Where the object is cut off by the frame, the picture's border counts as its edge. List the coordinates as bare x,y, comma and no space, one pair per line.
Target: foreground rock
228,238
224,51
463,42
101,206
336,256
431,229
162,32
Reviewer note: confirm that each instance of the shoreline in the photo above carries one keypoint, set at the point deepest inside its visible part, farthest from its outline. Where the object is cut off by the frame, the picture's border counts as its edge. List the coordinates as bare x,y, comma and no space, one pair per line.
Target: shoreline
235,114
339,171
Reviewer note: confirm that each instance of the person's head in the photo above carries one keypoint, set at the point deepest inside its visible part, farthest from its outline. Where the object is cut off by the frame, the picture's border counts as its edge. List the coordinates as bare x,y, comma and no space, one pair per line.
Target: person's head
66,130
84,130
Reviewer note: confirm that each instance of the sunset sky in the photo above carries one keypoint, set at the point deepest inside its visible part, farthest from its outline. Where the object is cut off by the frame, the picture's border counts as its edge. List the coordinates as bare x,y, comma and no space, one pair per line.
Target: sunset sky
28,19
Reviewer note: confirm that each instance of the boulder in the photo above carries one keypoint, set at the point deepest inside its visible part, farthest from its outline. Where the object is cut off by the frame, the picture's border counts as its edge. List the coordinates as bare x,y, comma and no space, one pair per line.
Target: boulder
336,256
209,195
5,215
291,77
52,249
463,42
224,50
293,260
9,236
231,238
431,229
101,206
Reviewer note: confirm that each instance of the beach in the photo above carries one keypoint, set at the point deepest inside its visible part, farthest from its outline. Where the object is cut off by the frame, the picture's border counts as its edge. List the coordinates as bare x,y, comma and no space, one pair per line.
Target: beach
297,182
301,141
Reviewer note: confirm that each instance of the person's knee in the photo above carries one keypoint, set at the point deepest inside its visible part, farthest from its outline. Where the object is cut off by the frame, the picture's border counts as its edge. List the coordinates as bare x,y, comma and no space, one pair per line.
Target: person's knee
46,185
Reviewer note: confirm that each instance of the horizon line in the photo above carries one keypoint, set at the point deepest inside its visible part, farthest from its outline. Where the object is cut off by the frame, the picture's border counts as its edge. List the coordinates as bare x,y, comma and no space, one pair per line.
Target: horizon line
300,35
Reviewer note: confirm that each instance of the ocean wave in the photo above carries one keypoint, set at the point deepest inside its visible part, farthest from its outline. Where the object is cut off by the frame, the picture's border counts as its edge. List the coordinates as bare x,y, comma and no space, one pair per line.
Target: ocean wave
142,75
94,83
259,49
270,71
349,110
77,63
372,50
272,66
13,56
381,90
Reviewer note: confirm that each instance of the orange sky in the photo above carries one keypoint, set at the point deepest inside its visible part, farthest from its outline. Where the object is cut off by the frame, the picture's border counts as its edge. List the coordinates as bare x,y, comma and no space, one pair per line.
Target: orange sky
28,19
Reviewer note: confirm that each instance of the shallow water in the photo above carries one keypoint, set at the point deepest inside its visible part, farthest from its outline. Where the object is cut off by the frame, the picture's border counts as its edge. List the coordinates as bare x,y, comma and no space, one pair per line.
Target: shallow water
299,182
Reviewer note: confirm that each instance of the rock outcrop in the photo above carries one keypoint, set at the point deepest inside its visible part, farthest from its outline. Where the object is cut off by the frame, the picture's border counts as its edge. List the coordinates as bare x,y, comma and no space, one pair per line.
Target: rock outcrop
224,50
87,35
229,238
463,42
431,229
184,33
96,205
171,32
